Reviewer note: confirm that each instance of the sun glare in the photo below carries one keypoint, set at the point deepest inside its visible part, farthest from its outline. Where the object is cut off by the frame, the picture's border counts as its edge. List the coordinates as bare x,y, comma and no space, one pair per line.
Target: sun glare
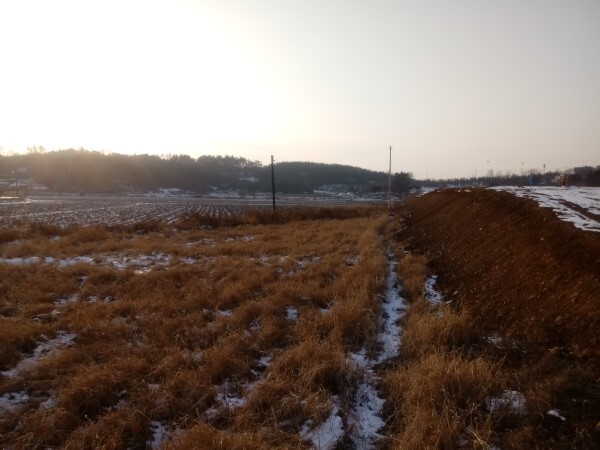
132,76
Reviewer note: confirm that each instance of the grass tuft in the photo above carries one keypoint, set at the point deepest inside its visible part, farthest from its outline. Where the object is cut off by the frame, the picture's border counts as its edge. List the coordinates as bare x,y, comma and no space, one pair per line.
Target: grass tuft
439,396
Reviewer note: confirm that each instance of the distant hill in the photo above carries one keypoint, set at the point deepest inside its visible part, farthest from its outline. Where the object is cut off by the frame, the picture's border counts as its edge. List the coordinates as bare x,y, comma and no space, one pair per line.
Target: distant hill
84,171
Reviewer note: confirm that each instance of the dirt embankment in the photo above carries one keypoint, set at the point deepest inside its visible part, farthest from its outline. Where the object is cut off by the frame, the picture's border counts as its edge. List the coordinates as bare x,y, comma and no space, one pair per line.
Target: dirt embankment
518,269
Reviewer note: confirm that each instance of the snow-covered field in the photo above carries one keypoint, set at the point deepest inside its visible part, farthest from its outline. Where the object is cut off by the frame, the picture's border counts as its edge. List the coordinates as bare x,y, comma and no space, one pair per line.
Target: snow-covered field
67,211
578,205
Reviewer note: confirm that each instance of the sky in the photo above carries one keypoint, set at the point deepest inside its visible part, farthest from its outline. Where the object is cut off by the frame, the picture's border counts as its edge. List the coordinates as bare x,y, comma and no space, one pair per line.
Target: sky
456,88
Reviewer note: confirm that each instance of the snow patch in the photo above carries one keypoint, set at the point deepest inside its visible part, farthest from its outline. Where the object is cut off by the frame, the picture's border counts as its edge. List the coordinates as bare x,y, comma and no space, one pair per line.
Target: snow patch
12,401
190,261
556,413
560,199
291,313
393,310
73,298
432,295
509,401
20,261
352,260
230,396
302,263
44,349
144,263
365,419
367,414
327,435
160,434
67,262
50,403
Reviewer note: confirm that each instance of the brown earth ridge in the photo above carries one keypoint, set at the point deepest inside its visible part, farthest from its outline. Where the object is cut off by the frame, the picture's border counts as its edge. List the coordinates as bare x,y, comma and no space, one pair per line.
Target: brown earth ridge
514,265
526,276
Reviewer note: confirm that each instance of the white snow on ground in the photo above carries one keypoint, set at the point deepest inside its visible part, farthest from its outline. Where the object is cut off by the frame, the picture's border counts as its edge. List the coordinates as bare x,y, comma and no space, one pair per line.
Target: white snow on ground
190,261
291,313
20,261
556,413
163,434
50,403
432,295
499,342
160,433
327,435
228,394
393,310
42,350
561,199
142,263
302,263
69,261
509,401
352,261
73,298
364,420
233,395
12,401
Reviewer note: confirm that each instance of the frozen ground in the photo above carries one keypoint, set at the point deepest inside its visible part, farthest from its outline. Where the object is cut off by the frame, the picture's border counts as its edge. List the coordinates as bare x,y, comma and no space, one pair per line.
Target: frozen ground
364,420
70,210
578,205
361,422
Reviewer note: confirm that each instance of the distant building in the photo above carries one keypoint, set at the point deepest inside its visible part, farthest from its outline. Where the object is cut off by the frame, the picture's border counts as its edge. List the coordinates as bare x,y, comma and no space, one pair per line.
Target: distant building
583,171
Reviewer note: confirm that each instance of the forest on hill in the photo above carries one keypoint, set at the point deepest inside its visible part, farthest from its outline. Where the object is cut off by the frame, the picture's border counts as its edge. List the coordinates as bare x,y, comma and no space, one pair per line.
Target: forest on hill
84,171
577,176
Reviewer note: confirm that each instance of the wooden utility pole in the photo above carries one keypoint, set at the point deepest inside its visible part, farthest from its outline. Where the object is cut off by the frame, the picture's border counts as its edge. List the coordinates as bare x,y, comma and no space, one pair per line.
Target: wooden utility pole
390,177
390,205
273,179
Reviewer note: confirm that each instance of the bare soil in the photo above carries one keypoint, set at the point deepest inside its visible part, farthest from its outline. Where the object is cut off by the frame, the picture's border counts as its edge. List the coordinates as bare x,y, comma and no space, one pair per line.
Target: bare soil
524,274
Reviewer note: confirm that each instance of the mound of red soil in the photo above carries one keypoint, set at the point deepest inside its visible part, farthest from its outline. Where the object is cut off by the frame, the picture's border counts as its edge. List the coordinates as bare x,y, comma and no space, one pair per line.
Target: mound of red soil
527,276
516,267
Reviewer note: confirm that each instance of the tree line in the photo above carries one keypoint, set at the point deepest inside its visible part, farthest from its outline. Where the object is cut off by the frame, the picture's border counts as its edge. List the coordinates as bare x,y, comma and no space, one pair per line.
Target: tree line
83,171
578,176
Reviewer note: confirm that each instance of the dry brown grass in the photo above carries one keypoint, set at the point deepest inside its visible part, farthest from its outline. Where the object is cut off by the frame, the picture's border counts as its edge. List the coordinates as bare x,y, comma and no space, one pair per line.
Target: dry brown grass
204,436
163,338
433,329
412,270
437,393
438,397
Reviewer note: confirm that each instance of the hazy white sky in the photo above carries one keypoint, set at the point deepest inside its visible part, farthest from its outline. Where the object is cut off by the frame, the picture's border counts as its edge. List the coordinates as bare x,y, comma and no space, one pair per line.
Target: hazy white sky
456,87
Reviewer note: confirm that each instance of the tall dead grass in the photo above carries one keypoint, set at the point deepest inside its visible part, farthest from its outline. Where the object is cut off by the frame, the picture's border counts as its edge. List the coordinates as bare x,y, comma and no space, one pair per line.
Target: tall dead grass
165,344
436,396
412,270
280,216
430,329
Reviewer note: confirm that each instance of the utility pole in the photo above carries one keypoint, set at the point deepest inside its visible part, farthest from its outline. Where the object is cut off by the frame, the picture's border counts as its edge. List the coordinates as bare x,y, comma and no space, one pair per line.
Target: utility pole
390,212
273,179
16,174
390,177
